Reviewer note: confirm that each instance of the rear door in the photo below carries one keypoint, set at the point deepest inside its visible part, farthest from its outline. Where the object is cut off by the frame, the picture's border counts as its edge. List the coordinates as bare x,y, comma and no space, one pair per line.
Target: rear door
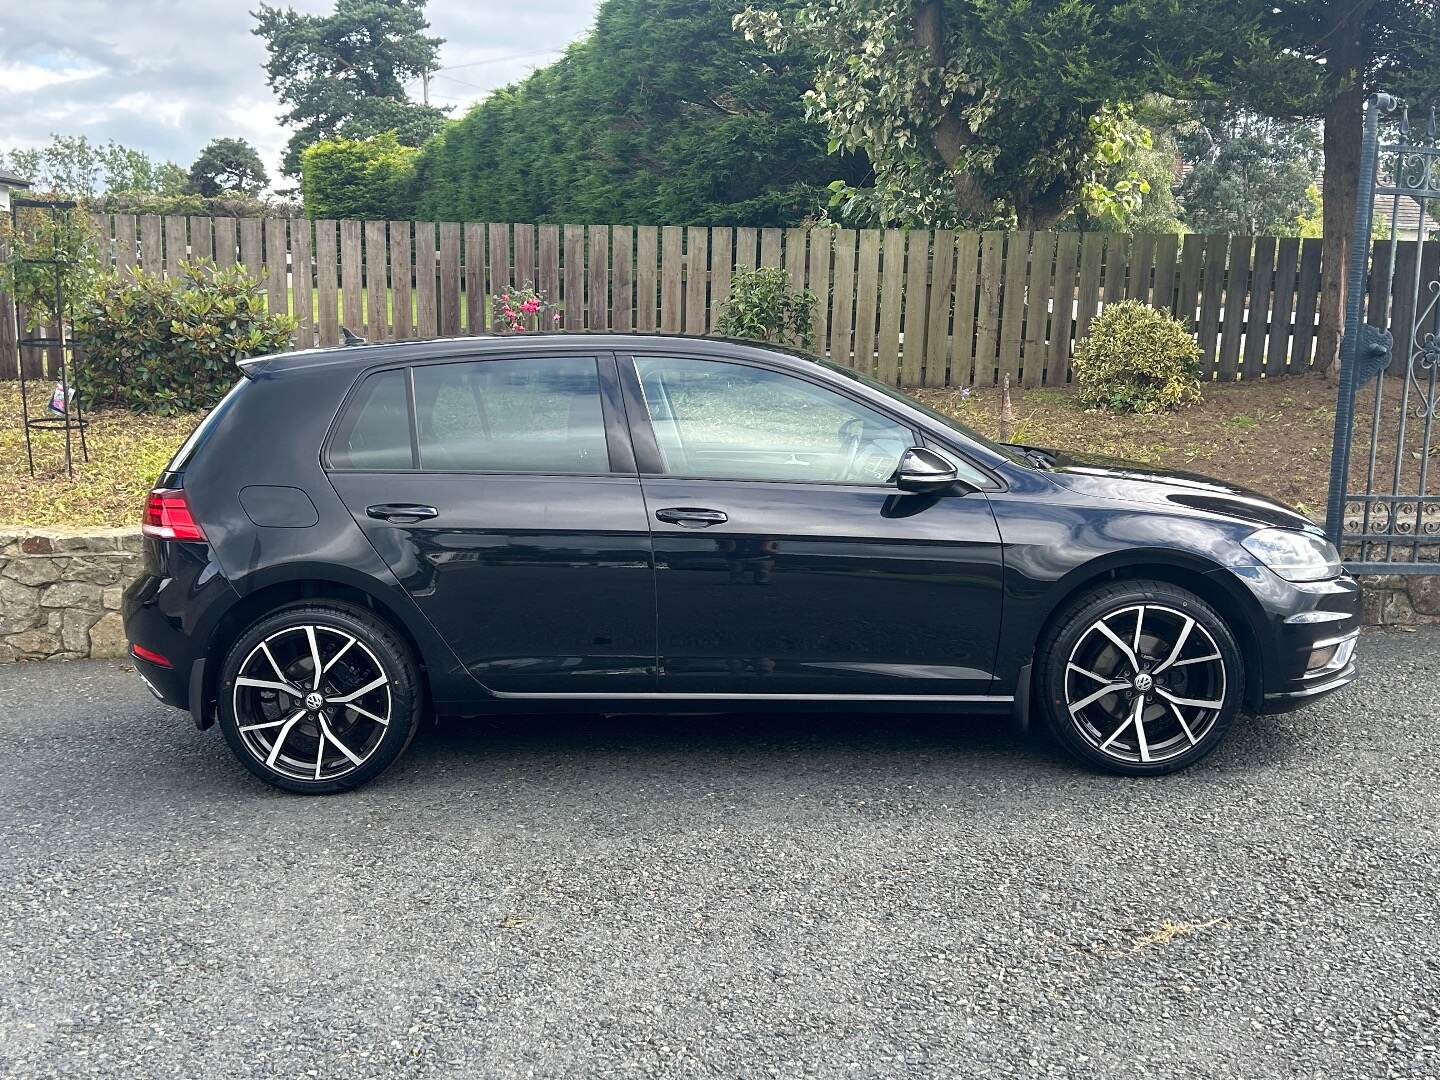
787,562
503,494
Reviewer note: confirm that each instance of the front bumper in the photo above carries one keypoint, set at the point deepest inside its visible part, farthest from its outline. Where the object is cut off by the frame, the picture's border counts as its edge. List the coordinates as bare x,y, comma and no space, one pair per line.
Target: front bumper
1308,643
1322,677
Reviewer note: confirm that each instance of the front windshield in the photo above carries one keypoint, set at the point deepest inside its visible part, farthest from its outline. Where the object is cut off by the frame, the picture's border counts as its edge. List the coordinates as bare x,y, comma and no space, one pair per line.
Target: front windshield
935,414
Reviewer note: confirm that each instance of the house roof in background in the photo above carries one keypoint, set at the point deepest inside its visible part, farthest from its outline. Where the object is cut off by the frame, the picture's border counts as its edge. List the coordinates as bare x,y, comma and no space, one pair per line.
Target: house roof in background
11,180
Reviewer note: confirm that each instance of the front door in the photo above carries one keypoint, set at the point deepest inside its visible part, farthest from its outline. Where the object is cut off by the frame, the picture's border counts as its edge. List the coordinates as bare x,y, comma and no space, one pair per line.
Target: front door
787,562
503,494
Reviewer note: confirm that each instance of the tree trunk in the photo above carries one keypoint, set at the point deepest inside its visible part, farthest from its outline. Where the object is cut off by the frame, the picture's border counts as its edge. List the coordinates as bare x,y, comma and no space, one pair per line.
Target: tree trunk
1347,57
1344,126
952,135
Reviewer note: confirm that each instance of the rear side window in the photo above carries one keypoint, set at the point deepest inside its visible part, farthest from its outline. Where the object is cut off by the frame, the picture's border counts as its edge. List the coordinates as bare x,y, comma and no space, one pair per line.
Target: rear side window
536,415
374,433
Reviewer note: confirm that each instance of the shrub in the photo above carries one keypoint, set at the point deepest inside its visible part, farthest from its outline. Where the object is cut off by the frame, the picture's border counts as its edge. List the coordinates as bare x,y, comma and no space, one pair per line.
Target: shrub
764,307
519,311
1137,360
358,178
166,345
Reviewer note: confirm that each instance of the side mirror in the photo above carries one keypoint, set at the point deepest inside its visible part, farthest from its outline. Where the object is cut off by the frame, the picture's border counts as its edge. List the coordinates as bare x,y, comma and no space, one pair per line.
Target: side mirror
924,470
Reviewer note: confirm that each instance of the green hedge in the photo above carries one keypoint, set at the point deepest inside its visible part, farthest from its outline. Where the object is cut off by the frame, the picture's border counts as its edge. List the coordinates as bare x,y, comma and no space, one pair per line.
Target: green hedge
664,115
358,178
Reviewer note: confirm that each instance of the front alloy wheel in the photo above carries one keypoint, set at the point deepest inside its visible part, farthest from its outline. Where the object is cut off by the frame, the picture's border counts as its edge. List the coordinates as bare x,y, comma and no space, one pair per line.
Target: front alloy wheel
1142,678
318,699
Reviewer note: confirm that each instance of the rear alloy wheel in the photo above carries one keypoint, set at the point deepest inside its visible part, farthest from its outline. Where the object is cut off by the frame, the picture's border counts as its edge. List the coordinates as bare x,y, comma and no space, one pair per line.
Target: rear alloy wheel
1141,678
319,699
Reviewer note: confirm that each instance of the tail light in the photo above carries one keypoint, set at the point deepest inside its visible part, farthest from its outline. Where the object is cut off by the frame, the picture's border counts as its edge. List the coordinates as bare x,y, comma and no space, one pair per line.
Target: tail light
151,655
167,517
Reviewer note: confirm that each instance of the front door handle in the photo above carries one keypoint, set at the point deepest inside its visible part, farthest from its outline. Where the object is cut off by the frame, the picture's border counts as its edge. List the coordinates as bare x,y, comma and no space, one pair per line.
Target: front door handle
692,517
401,513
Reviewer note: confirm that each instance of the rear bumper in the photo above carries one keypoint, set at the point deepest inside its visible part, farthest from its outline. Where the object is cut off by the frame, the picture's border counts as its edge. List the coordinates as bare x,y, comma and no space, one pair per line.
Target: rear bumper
167,684
170,609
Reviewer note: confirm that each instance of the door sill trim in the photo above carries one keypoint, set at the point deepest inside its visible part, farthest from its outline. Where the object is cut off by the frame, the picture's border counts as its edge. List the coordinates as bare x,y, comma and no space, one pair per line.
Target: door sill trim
996,699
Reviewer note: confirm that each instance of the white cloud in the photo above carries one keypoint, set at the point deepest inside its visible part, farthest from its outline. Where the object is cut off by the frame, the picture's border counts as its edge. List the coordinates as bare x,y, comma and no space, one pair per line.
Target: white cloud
167,76
29,77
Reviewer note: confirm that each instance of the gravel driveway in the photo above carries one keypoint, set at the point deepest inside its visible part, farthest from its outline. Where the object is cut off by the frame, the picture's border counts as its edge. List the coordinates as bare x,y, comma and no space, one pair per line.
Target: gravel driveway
721,896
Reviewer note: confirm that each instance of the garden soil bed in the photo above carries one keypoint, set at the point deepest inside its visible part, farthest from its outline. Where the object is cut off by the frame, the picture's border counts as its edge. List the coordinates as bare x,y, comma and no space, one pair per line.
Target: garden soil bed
1272,435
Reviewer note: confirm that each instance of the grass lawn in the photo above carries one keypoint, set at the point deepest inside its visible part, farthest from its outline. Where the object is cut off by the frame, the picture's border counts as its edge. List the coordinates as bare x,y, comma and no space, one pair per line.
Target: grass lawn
127,452
1271,436
357,324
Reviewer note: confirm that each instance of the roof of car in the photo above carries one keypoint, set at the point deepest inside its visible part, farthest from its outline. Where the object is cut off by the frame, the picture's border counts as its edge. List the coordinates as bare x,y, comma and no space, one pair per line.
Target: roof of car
387,352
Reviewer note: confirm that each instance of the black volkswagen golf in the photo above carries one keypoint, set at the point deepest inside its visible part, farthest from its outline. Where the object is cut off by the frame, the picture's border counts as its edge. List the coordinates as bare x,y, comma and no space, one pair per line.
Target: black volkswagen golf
357,537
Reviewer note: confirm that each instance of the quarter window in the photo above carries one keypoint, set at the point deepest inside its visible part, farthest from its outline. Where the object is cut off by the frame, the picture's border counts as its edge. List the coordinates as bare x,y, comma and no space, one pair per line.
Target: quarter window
374,433
537,415
723,421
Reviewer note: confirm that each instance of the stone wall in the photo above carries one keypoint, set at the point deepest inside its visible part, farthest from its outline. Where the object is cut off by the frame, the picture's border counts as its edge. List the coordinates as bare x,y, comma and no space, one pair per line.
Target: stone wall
1402,599
60,592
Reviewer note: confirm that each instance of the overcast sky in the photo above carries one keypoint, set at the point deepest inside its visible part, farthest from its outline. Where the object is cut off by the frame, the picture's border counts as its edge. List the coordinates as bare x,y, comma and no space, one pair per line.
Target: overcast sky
166,76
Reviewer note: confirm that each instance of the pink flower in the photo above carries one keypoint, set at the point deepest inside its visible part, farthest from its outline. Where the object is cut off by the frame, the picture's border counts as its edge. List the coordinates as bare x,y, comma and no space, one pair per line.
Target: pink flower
555,317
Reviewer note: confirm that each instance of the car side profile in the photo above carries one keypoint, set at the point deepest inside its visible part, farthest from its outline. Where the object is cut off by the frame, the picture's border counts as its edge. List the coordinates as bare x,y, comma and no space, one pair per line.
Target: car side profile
357,537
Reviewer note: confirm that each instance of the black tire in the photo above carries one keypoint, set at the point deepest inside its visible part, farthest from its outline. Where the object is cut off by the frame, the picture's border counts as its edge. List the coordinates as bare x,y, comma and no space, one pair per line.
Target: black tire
1104,733
285,654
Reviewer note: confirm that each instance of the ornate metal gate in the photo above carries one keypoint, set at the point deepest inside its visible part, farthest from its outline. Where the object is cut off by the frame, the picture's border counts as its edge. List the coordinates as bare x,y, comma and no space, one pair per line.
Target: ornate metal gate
1384,506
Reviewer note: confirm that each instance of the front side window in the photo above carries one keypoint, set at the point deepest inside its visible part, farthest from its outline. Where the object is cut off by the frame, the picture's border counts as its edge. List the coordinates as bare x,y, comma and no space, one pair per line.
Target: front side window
536,415
720,421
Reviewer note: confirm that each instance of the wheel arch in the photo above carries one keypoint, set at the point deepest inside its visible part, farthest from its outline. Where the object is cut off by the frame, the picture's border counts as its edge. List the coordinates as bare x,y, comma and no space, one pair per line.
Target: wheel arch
260,601
1204,578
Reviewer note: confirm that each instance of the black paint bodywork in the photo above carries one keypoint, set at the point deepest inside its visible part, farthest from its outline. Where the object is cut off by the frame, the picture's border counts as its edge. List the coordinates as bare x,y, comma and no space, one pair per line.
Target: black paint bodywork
569,588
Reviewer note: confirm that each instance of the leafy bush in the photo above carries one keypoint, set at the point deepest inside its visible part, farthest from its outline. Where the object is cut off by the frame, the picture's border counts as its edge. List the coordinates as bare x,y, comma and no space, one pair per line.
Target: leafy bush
166,345
763,306
1137,360
358,178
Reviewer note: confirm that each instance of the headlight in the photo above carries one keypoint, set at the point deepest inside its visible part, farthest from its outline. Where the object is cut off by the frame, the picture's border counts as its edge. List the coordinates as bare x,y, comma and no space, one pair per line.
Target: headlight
1295,556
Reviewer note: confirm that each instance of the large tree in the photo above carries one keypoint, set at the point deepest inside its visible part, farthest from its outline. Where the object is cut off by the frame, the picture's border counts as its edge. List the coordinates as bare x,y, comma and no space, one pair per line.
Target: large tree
345,73
661,116
1320,60
1247,173
227,166
981,110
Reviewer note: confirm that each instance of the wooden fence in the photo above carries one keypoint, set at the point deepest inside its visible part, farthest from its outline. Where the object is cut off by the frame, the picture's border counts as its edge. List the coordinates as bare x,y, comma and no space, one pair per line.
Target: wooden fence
915,307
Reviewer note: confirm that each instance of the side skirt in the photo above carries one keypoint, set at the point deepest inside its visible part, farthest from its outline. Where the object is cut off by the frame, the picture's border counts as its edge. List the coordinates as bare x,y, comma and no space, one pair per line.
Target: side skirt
957,699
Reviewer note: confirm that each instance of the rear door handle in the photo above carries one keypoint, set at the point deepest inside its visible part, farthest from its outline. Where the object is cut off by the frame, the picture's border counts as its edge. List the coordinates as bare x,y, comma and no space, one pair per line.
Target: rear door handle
401,513
692,517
